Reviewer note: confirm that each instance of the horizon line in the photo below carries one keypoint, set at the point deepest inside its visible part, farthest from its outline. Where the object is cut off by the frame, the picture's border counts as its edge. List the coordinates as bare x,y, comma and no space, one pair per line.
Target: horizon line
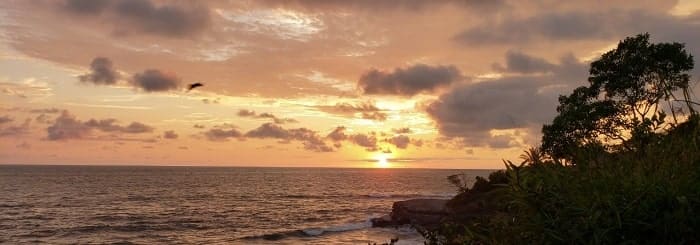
225,166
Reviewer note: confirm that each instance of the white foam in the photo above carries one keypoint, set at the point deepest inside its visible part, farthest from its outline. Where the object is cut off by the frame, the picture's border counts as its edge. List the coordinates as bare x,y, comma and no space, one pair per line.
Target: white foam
338,228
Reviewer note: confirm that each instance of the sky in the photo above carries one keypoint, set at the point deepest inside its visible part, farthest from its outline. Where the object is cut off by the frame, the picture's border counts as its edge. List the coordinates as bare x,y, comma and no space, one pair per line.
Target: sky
303,83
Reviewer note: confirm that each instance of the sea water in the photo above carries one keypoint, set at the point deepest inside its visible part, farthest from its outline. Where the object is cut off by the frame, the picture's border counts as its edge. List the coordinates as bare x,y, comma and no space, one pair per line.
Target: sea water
209,205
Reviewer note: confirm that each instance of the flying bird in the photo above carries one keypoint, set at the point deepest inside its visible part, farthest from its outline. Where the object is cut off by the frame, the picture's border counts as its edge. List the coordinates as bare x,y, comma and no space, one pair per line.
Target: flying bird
194,85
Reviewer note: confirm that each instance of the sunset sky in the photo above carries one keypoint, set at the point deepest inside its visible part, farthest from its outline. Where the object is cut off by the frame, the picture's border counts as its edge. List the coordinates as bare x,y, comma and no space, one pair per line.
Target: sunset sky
318,83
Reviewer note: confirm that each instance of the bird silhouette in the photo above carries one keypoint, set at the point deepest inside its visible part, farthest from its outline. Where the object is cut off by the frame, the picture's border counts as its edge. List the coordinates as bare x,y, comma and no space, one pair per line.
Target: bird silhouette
194,85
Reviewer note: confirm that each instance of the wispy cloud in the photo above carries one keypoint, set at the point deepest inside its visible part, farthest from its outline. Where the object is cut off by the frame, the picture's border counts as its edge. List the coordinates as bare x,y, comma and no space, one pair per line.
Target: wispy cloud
126,107
284,24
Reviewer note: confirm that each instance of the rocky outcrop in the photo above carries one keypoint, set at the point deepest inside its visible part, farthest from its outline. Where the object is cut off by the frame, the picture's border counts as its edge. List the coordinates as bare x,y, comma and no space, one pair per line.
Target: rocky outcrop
418,212
384,221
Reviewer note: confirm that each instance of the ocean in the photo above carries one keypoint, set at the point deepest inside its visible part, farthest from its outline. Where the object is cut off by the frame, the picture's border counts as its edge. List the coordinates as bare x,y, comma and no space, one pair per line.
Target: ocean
209,205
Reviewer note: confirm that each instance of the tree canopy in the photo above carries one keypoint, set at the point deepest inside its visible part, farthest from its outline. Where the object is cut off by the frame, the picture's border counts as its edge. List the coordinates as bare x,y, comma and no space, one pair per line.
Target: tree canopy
630,88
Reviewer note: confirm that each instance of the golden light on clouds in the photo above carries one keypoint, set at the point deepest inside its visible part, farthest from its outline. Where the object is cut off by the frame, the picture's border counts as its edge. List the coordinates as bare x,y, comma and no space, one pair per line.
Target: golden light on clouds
444,84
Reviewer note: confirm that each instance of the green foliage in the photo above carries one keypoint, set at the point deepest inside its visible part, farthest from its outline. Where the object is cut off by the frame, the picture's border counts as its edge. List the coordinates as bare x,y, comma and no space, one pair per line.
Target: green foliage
480,185
581,119
625,198
533,156
460,181
627,86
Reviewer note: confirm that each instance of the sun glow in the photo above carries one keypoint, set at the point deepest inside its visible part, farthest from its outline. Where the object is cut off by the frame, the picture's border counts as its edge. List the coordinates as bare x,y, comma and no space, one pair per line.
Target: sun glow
382,161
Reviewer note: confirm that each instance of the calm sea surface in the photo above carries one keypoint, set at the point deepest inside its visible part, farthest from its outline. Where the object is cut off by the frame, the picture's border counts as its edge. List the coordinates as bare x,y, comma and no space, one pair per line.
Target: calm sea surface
208,205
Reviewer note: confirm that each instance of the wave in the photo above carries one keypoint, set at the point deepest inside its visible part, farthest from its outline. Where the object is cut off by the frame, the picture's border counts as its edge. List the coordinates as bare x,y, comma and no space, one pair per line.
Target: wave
371,195
15,205
311,232
338,228
138,227
391,195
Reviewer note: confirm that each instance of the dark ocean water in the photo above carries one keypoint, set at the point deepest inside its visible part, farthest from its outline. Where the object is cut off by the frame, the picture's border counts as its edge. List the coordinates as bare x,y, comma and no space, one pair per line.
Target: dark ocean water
208,205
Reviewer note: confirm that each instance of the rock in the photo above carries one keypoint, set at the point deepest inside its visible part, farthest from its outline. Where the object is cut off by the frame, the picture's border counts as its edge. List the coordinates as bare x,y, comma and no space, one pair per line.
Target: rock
384,221
425,213
420,212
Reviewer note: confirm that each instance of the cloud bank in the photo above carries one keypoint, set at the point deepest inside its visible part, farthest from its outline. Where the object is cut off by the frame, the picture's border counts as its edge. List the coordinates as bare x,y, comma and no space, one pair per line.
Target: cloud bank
409,81
67,126
265,115
144,16
364,110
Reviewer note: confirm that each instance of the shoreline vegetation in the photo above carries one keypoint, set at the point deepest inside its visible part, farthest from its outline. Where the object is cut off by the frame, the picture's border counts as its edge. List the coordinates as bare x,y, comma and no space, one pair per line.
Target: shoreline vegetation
619,164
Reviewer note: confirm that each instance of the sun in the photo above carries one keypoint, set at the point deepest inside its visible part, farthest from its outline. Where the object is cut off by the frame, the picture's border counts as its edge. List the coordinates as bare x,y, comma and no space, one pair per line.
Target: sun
383,162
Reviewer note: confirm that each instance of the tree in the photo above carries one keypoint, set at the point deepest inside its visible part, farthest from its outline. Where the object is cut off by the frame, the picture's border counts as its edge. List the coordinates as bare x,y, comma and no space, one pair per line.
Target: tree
533,156
628,87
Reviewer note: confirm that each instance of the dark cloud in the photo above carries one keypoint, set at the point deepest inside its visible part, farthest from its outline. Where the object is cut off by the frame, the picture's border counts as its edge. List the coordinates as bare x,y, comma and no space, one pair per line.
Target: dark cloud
269,130
246,113
67,126
170,134
408,81
276,119
151,80
109,125
211,101
5,119
169,20
400,141
137,128
102,72
377,116
223,133
402,130
311,140
471,111
180,19
46,111
43,118
365,110
550,26
338,134
522,63
403,141
155,81
267,147
368,141
520,102
265,115
373,5
119,140
607,24
198,126
87,6
15,130
569,69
